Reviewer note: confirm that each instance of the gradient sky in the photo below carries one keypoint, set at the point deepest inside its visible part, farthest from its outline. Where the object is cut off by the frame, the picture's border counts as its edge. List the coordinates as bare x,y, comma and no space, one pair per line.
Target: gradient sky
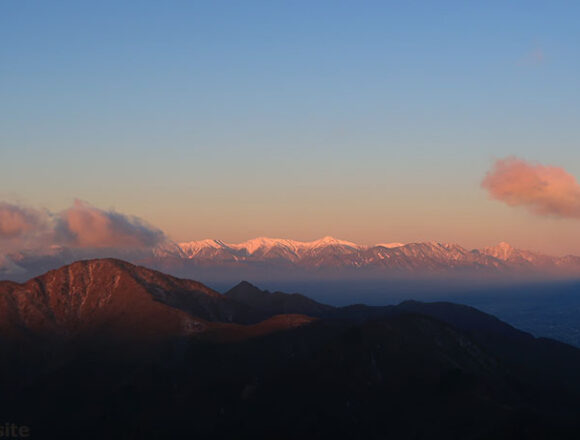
369,121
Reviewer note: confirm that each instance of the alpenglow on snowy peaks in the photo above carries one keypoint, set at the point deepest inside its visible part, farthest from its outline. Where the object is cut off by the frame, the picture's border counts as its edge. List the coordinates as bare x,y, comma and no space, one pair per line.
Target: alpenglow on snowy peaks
265,245
326,258
329,252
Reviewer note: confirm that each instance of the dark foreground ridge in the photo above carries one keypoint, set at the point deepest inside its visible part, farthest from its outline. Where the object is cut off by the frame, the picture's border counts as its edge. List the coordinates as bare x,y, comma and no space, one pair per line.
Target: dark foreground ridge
103,349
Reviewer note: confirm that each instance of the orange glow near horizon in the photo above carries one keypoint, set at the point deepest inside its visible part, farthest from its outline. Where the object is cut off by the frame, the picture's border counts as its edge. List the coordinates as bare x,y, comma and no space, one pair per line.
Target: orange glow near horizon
400,210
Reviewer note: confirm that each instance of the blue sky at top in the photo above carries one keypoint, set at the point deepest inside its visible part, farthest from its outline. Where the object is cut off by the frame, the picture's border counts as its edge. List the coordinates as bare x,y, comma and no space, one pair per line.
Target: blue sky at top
235,119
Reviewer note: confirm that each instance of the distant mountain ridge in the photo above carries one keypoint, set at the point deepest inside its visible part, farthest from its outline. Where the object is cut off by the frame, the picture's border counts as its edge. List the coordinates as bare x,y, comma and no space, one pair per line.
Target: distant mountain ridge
329,252
327,258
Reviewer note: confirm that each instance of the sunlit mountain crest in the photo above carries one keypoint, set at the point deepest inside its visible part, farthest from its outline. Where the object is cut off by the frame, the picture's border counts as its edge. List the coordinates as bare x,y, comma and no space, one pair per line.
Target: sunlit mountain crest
265,244
390,245
327,257
330,252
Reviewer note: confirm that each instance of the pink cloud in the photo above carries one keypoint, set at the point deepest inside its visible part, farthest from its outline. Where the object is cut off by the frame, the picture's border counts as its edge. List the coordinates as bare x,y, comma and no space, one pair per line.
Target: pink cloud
544,190
80,226
86,226
16,221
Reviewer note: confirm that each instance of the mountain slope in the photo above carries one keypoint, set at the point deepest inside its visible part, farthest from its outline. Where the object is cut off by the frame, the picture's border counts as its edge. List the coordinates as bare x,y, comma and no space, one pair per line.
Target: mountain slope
220,366
529,358
276,302
108,297
98,297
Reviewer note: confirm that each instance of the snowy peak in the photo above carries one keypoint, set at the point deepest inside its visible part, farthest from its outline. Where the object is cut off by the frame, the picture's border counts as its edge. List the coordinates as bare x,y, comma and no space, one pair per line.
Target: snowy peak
194,246
502,251
390,245
263,242
330,241
264,245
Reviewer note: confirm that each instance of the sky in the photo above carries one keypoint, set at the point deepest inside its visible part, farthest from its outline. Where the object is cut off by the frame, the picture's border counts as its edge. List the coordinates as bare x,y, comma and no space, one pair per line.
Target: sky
369,121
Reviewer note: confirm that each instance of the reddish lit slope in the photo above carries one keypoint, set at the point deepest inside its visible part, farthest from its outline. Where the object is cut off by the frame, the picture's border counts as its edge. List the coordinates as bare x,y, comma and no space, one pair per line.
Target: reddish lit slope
112,298
90,298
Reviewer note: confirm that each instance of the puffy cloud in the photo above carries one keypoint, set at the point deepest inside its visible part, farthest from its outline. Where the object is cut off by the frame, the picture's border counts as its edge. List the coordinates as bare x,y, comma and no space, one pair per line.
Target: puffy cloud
86,226
35,240
544,190
82,226
16,221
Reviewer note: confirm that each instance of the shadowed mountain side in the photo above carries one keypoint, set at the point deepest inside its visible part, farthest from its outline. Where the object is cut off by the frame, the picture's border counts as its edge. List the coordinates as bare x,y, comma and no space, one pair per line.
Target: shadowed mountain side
404,377
528,357
226,333
276,302
120,351
514,346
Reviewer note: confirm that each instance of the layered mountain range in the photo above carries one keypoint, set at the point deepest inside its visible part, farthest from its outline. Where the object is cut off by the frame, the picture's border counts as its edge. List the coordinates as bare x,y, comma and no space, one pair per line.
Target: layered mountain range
330,251
335,257
106,349
325,258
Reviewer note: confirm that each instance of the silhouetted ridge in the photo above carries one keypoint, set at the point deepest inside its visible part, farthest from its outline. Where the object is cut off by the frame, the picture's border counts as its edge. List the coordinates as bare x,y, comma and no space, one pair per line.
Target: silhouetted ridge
528,358
272,303
462,316
133,353
244,285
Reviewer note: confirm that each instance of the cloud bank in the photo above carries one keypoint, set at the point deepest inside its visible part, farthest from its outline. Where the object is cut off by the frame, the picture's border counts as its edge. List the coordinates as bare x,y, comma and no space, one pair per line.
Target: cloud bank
544,190
16,221
85,226
81,226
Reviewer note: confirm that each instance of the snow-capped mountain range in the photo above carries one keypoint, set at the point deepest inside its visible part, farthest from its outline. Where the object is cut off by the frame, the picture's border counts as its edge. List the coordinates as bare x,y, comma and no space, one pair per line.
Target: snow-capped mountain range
329,252
265,247
326,257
